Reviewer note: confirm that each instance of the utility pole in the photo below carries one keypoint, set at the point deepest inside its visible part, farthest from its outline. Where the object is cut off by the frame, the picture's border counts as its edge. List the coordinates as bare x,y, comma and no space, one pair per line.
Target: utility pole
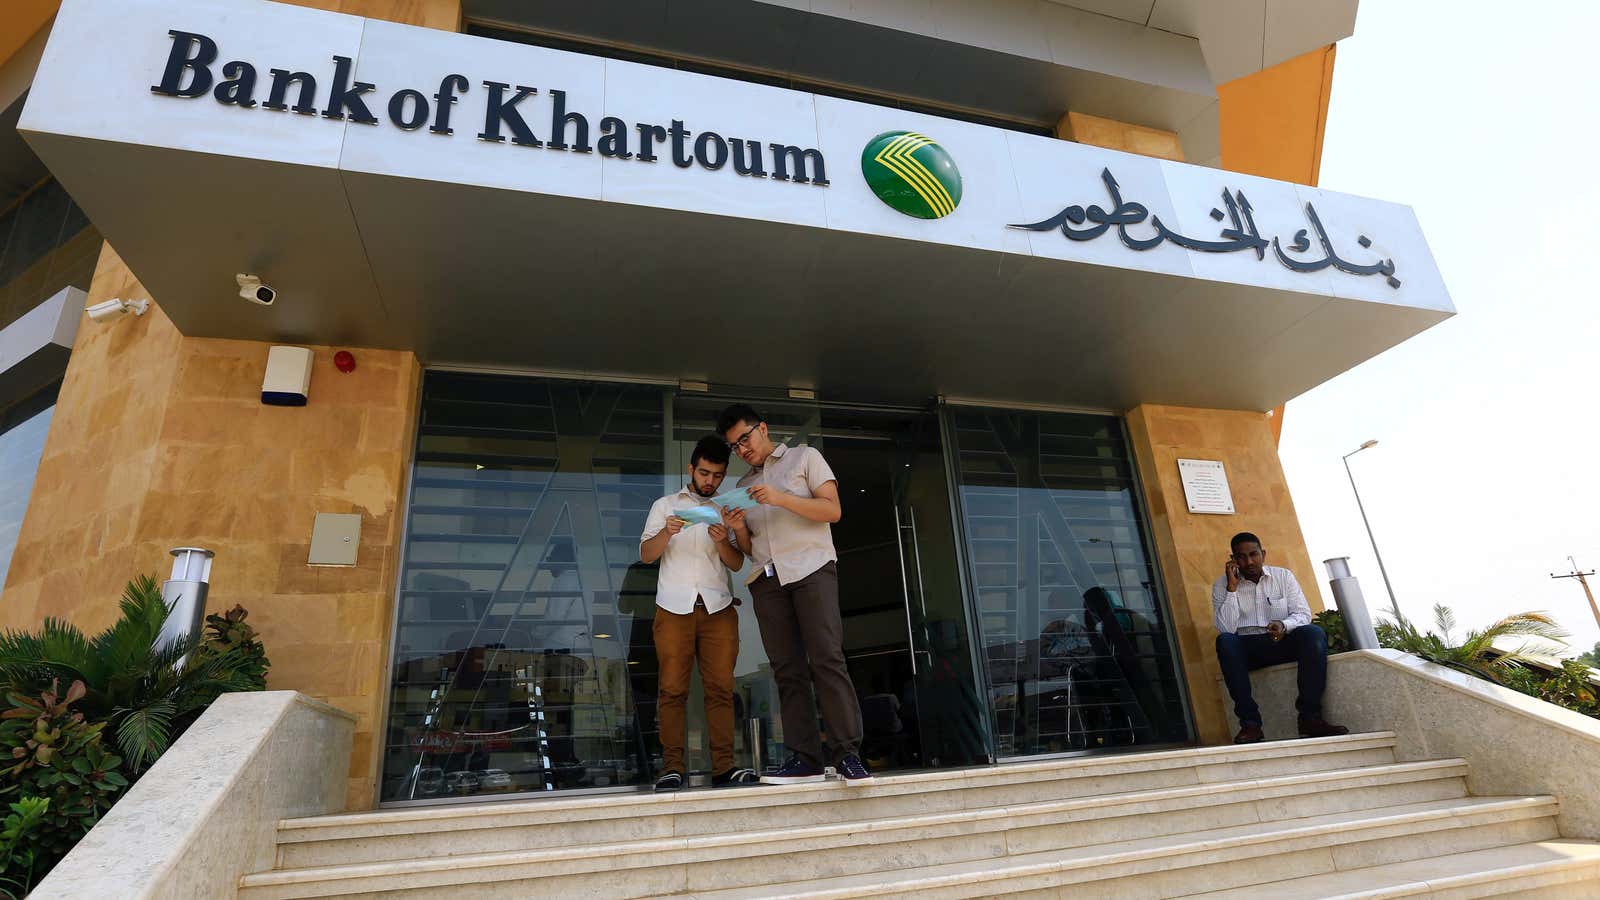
1575,573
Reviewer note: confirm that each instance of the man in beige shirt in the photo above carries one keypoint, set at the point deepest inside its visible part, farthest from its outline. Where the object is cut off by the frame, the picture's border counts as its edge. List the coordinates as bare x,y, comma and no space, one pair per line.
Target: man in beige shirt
795,588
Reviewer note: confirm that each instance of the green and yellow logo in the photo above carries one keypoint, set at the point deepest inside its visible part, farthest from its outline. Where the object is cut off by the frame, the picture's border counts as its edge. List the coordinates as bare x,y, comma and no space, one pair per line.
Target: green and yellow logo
912,174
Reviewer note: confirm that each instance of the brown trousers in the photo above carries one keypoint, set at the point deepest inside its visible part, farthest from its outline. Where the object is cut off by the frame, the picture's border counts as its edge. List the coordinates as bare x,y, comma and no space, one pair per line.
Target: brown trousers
712,640
804,638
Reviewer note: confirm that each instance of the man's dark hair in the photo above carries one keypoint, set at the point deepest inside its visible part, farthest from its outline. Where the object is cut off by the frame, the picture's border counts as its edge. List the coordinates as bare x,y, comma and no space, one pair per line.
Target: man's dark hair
735,414
1243,537
712,449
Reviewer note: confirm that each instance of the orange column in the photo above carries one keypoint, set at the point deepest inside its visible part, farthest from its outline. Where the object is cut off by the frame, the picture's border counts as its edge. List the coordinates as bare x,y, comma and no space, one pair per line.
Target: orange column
1272,125
20,20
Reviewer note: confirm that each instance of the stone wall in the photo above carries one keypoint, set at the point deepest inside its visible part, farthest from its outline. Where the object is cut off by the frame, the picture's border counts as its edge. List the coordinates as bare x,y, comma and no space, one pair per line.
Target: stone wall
207,812
161,441
1114,135
445,14
1515,745
1193,548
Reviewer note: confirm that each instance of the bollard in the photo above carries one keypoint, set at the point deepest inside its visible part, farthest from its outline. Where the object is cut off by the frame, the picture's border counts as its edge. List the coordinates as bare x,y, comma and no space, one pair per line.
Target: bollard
1352,605
185,596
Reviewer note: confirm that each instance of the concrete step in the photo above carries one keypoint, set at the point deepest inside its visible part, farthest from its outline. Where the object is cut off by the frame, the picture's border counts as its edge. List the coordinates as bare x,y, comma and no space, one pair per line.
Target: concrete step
1050,823
476,828
1189,864
1545,869
956,857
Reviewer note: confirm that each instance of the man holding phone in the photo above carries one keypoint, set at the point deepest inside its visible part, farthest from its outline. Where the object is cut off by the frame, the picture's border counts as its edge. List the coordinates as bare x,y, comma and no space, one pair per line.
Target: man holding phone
795,588
695,618
1263,619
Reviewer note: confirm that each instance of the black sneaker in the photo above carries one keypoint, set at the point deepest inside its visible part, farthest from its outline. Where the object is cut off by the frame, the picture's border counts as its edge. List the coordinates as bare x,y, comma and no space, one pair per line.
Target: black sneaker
795,771
669,781
853,770
735,777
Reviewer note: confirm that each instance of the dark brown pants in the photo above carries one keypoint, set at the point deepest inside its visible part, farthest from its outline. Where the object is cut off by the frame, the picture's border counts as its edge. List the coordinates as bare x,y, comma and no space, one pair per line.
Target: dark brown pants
804,637
712,639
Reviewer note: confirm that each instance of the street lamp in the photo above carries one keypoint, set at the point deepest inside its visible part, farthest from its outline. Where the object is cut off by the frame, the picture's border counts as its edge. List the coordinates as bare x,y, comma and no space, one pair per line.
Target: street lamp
1381,570
1115,566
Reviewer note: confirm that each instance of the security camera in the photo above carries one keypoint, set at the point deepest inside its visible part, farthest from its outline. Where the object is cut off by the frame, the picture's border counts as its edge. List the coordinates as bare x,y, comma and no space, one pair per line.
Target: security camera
116,309
251,288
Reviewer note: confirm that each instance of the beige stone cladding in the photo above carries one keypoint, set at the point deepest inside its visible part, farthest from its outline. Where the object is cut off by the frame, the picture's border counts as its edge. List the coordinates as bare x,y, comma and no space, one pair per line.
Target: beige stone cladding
1192,547
159,441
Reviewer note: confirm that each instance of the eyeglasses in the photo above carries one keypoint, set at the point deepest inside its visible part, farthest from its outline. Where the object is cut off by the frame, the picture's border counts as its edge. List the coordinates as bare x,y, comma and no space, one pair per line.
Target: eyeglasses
744,439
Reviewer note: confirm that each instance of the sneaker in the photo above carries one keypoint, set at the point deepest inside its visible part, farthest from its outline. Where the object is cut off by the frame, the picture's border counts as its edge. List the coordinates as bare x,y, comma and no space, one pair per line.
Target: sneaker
735,778
853,770
795,771
1310,728
669,781
1249,733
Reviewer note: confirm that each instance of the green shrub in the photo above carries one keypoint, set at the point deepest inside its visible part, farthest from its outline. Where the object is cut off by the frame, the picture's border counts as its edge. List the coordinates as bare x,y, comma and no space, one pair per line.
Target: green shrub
233,642
48,750
16,859
1478,653
139,690
1567,687
1332,622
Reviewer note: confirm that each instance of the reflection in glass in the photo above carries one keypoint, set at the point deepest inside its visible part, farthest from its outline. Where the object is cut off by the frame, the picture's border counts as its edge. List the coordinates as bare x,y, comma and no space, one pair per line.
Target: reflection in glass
523,609
23,428
1075,637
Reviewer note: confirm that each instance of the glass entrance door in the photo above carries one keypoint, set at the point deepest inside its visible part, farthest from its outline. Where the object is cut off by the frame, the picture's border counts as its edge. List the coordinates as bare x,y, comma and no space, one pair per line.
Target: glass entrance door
906,634
1077,645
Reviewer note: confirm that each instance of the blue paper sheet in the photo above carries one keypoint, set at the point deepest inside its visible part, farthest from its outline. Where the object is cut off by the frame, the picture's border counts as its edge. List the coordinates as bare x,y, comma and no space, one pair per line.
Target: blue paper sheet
699,515
736,499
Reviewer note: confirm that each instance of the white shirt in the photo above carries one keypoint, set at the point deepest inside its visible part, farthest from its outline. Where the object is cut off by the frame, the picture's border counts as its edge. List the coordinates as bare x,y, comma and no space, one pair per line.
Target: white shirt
795,545
690,566
1276,598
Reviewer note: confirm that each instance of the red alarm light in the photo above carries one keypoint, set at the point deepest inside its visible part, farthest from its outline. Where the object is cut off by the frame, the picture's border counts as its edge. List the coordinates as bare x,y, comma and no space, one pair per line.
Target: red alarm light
344,361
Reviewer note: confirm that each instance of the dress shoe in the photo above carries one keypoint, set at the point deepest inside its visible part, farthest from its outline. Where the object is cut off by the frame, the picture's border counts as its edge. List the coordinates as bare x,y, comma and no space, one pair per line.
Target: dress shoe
1319,728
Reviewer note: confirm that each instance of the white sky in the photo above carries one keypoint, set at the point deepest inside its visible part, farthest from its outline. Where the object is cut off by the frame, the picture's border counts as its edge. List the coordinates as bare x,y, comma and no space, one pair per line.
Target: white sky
1487,122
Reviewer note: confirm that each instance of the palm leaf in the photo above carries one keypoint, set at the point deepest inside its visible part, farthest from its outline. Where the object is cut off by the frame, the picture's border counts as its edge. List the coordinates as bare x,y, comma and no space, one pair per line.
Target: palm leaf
1478,653
127,643
143,734
29,661
1445,619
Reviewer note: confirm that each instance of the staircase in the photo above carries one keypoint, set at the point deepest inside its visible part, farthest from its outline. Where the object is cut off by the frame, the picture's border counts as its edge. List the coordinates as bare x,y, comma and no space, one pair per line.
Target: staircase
1311,818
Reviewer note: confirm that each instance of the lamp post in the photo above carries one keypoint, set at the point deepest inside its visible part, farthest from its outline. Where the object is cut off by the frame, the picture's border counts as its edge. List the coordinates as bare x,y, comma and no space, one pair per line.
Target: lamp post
185,596
1381,570
1115,567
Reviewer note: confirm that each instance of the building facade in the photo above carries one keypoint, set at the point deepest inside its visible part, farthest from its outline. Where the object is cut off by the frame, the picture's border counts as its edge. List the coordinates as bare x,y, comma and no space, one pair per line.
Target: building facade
1015,268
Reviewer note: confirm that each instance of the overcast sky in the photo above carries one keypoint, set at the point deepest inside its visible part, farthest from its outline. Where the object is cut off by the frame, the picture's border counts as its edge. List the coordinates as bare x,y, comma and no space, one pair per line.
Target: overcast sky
1485,475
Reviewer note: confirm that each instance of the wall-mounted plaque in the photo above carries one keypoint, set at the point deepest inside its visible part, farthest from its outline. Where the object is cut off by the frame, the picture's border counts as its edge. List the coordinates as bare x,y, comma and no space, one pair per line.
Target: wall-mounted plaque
1205,486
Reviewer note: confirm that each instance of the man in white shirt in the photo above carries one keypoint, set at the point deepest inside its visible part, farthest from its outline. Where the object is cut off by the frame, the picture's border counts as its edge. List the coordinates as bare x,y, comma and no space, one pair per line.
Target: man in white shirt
1263,619
695,618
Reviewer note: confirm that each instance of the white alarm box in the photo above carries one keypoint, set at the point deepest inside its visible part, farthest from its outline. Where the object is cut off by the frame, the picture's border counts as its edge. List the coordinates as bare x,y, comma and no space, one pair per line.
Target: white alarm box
288,378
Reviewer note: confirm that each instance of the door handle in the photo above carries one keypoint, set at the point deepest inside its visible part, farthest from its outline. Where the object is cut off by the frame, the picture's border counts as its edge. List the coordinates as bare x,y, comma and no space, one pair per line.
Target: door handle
905,589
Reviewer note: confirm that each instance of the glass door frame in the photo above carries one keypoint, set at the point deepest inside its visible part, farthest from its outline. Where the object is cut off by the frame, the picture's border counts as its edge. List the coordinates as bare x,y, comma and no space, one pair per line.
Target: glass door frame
975,638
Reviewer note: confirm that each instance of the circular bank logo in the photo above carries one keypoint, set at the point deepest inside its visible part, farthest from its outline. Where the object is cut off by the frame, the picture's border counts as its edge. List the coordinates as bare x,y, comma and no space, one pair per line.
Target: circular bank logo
913,174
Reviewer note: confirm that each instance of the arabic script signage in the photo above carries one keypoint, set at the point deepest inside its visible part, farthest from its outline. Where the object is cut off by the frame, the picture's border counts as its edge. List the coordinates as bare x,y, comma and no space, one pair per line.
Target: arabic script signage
1078,223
